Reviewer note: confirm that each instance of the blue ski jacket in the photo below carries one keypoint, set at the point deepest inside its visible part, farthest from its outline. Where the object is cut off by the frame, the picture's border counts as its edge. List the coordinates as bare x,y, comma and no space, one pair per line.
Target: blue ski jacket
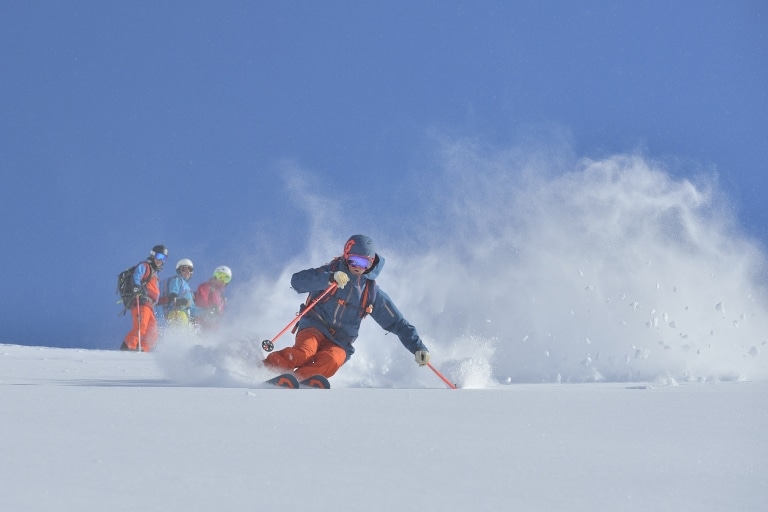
178,285
338,316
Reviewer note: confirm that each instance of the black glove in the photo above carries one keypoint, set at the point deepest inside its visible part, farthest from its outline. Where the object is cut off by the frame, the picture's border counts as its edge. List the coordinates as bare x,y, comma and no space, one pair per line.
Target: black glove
181,303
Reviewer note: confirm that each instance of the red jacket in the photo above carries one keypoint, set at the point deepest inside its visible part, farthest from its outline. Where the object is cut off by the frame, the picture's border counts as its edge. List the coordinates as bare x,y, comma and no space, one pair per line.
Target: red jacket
209,295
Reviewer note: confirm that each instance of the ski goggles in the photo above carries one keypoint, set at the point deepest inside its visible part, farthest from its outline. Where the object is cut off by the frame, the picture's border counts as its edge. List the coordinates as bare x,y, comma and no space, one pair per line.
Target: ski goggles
160,256
354,260
221,276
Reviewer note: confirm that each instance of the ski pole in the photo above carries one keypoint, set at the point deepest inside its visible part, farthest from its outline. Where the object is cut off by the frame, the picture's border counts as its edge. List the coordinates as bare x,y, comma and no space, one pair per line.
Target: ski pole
269,345
447,382
138,311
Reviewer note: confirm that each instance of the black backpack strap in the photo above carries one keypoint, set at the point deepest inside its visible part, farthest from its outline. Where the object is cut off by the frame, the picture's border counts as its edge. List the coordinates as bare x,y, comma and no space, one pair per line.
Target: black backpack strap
369,298
148,278
151,272
369,291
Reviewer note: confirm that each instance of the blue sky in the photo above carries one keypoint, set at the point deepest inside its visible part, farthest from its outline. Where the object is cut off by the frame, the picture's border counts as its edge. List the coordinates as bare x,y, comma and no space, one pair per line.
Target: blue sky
221,129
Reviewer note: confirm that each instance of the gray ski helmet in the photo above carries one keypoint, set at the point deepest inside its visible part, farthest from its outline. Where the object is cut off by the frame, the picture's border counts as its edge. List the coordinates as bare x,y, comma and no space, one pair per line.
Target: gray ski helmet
359,245
157,250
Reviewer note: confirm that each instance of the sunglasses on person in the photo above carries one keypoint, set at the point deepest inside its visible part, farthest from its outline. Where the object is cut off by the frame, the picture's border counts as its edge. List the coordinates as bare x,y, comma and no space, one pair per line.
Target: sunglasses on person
186,269
354,260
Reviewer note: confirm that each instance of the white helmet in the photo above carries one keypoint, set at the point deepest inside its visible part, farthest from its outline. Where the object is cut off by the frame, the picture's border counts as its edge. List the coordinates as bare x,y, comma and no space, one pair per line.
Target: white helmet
184,262
223,274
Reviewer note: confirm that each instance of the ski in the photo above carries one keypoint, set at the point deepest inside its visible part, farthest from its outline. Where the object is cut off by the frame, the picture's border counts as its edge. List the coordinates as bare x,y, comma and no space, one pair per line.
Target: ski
285,380
316,381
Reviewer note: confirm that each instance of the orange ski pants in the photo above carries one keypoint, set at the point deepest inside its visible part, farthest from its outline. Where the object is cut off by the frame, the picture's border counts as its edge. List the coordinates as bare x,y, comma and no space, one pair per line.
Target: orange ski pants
144,323
312,354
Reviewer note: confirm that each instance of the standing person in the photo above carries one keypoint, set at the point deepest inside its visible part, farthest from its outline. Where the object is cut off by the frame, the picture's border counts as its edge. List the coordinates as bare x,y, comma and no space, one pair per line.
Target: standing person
177,300
143,334
210,300
326,333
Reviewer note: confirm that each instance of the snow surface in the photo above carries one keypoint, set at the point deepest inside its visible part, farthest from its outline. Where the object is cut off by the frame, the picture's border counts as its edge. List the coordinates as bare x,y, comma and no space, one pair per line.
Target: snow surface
88,430
607,327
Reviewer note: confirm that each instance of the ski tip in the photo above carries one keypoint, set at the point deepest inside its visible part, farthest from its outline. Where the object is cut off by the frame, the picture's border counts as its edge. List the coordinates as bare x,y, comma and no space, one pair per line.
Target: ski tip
285,380
316,381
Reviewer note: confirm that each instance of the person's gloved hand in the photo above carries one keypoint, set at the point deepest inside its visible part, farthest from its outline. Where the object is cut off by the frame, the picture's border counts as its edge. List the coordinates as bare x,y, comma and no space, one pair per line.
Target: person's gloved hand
341,279
181,303
422,357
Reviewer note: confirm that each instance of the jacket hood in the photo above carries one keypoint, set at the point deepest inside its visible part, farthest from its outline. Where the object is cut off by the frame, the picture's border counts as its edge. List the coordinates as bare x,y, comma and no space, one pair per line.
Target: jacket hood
375,270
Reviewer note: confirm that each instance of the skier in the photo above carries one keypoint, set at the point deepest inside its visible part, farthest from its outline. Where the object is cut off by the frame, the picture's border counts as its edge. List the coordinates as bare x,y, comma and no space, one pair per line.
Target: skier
326,333
143,333
178,300
210,299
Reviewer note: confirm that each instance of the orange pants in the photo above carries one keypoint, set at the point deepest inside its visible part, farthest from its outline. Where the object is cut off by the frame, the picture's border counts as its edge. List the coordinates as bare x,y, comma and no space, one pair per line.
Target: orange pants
144,323
312,354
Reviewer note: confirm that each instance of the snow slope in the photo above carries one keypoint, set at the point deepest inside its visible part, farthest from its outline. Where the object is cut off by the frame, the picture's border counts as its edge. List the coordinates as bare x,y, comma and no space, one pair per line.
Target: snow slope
608,328
86,430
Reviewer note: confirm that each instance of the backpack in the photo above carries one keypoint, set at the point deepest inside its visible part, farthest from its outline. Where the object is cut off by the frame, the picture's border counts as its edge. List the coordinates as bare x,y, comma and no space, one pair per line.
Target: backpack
165,296
126,288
